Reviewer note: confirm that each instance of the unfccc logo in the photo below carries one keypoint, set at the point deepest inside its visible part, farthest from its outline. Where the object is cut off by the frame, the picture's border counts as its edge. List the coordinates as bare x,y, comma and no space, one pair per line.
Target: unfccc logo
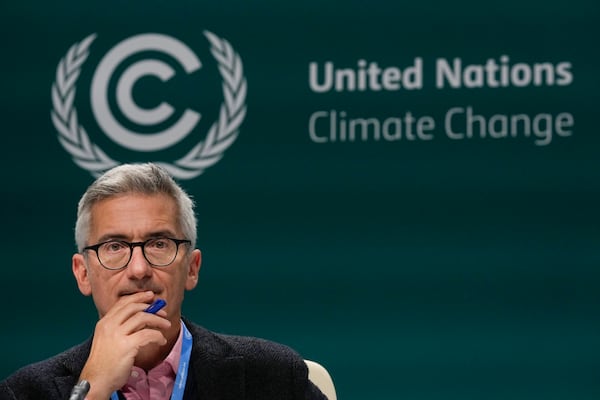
74,138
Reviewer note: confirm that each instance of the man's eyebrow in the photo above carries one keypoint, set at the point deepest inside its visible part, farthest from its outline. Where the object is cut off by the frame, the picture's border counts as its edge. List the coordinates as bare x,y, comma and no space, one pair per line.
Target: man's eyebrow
111,236
163,233
125,238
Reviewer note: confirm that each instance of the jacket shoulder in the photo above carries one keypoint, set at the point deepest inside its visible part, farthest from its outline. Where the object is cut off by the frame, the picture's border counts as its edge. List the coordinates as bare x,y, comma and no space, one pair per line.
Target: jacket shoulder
252,349
47,379
271,370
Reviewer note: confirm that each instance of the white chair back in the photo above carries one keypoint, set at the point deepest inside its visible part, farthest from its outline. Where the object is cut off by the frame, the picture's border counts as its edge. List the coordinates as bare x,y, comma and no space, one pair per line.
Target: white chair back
321,378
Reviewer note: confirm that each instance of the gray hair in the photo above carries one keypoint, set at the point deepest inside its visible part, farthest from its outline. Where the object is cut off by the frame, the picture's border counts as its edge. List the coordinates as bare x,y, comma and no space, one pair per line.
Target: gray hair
145,178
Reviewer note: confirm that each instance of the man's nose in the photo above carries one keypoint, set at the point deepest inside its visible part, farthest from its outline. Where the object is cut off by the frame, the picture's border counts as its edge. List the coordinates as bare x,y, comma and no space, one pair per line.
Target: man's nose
138,266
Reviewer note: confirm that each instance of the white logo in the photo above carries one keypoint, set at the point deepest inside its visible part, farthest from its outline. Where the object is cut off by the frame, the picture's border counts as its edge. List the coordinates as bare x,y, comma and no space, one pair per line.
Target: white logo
75,140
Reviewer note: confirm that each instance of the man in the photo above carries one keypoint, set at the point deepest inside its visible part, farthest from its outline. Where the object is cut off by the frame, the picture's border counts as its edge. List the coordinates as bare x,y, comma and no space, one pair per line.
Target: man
135,234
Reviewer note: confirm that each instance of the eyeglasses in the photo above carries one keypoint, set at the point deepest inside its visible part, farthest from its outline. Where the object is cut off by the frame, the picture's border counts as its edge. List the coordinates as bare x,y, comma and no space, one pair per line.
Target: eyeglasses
116,254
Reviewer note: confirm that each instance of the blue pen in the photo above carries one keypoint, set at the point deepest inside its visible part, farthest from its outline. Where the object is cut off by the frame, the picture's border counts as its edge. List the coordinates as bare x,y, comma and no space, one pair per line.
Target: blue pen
154,307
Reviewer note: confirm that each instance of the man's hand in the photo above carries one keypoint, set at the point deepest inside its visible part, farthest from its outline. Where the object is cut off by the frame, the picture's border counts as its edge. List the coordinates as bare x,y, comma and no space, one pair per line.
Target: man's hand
118,338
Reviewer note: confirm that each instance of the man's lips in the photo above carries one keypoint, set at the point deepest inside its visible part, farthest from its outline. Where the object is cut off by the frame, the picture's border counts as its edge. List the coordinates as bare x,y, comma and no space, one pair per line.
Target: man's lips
122,293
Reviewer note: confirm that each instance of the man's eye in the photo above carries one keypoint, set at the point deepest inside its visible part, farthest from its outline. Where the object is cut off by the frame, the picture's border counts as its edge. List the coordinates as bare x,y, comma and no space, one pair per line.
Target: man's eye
114,247
159,244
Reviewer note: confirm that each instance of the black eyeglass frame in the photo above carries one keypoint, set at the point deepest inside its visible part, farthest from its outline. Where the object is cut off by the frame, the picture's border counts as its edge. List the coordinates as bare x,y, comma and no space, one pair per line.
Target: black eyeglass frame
132,245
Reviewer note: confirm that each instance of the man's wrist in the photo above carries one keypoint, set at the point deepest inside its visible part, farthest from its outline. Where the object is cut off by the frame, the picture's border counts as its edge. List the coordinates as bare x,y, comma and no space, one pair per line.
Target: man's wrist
98,389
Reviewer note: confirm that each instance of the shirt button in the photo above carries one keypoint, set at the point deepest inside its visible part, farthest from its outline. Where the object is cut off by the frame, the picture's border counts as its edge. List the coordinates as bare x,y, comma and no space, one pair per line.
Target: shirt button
135,374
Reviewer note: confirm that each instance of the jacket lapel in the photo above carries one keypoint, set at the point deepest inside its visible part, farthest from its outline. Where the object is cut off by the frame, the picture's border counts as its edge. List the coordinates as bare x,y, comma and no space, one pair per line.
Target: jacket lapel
216,371
217,380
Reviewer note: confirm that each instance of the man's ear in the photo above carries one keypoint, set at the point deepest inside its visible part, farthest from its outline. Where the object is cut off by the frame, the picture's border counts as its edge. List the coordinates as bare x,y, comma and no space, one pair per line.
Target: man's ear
81,274
193,269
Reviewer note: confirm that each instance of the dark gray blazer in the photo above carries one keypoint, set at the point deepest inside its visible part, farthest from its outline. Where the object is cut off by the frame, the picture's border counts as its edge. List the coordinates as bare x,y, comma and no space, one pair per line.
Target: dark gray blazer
221,367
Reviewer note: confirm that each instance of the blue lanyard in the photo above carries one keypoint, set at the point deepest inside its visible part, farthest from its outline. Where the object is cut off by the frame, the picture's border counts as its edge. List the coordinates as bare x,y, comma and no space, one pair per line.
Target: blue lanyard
182,371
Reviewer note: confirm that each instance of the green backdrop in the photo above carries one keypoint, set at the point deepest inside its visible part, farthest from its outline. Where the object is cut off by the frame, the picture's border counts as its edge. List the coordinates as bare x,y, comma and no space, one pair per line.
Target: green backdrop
435,267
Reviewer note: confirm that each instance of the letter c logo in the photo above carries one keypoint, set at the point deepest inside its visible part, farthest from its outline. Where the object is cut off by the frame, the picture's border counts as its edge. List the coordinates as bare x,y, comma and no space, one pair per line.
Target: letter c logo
151,67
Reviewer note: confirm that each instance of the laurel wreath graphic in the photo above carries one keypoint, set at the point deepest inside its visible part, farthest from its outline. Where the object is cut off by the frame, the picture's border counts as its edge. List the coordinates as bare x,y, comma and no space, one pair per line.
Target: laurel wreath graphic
87,155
